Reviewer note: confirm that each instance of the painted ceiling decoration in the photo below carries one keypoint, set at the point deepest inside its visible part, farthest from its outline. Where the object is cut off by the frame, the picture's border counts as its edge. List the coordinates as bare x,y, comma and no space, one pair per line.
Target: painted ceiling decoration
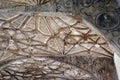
54,40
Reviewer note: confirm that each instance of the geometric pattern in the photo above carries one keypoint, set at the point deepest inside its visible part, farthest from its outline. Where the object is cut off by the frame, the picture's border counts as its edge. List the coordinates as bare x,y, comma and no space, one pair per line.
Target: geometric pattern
27,42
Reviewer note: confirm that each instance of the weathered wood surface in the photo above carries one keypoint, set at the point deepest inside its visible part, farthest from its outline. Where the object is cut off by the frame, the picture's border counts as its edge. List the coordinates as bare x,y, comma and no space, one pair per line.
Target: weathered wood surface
103,14
98,69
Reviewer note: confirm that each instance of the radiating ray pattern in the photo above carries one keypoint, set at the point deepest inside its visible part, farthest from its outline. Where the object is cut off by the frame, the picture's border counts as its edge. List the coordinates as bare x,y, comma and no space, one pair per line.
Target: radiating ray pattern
31,2
44,36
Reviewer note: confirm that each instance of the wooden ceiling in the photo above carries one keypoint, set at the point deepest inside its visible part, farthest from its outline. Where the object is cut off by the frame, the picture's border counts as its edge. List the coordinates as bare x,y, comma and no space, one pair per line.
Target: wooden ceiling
40,47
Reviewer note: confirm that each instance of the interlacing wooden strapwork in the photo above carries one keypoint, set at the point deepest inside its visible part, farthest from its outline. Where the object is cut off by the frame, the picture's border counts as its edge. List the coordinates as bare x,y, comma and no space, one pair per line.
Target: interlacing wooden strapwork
24,37
42,69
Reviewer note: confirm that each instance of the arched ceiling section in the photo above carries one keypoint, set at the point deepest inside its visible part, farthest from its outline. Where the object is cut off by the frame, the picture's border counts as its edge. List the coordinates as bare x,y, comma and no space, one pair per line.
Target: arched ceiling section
49,36
103,14
43,69
57,43
44,36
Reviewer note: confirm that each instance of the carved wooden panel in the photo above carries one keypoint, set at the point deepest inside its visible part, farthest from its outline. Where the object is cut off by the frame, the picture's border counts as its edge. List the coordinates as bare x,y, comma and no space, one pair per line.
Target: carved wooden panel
32,40
105,15
56,41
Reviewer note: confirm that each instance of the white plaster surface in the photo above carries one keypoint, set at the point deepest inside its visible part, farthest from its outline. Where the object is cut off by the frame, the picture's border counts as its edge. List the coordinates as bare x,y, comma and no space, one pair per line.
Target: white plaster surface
117,64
